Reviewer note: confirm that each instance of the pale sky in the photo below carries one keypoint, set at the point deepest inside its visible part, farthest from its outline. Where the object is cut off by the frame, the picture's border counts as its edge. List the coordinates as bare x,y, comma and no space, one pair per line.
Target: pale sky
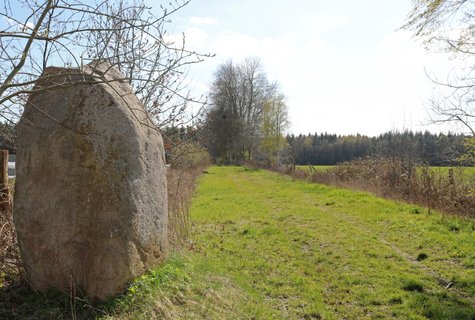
343,64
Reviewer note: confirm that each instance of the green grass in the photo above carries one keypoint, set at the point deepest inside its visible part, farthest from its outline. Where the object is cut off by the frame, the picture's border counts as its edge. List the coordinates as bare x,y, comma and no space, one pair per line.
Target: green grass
268,247
305,251
468,172
317,168
283,249
186,287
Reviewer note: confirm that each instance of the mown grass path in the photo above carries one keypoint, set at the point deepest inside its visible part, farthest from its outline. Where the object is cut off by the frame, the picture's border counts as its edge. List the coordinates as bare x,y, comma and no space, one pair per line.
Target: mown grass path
293,250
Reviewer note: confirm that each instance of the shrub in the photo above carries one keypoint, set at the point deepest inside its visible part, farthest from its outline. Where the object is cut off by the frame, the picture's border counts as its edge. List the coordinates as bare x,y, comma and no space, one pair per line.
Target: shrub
188,161
451,191
181,184
189,155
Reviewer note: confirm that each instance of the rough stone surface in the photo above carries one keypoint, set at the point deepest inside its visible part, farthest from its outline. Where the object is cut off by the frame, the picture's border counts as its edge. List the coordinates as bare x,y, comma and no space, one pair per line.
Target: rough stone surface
91,195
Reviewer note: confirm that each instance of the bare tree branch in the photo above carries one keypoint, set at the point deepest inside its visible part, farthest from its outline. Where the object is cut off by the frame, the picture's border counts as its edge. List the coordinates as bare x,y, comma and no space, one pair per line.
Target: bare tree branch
68,33
449,25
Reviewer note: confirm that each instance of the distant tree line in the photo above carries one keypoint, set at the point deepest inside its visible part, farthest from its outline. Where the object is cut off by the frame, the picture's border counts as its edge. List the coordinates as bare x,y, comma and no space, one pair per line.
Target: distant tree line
425,147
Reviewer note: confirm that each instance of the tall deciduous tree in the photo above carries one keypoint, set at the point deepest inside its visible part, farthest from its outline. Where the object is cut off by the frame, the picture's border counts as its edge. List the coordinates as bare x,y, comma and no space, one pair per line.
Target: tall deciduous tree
275,122
238,95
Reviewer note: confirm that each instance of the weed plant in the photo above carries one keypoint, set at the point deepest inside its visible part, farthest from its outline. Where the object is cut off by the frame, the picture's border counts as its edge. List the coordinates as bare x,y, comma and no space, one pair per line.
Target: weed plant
181,184
10,261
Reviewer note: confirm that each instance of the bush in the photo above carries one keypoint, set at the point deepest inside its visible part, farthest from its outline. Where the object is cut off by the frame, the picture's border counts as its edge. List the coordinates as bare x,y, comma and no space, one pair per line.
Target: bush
188,160
189,155
451,191
181,184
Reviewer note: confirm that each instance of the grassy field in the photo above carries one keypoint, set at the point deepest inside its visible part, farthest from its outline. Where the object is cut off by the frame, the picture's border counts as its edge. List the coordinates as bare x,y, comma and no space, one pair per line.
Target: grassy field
468,170
267,247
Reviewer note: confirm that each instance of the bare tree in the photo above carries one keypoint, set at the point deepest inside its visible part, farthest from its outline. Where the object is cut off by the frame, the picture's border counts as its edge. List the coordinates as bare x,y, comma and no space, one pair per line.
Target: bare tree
234,119
35,35
449,25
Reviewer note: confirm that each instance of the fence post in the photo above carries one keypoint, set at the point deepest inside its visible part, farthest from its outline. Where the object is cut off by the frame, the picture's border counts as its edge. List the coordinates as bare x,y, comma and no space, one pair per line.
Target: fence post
4,189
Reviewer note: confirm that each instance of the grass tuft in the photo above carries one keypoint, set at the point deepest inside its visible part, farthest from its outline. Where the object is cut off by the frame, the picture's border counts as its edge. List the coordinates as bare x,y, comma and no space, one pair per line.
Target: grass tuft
412,285
396,300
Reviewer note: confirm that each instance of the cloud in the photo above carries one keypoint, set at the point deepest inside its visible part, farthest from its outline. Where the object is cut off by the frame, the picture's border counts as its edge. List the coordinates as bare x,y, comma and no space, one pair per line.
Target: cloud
196,38
24,27
234,45
399,80
275,52
334,80
323,22
203,20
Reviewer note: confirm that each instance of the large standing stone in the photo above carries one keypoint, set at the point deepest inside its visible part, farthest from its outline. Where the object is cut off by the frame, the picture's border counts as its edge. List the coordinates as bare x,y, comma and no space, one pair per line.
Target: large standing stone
91,195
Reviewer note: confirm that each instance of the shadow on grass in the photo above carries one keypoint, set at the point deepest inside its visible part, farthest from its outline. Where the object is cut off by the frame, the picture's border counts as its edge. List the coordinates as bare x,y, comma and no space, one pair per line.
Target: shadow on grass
19,301
442,306
436,304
